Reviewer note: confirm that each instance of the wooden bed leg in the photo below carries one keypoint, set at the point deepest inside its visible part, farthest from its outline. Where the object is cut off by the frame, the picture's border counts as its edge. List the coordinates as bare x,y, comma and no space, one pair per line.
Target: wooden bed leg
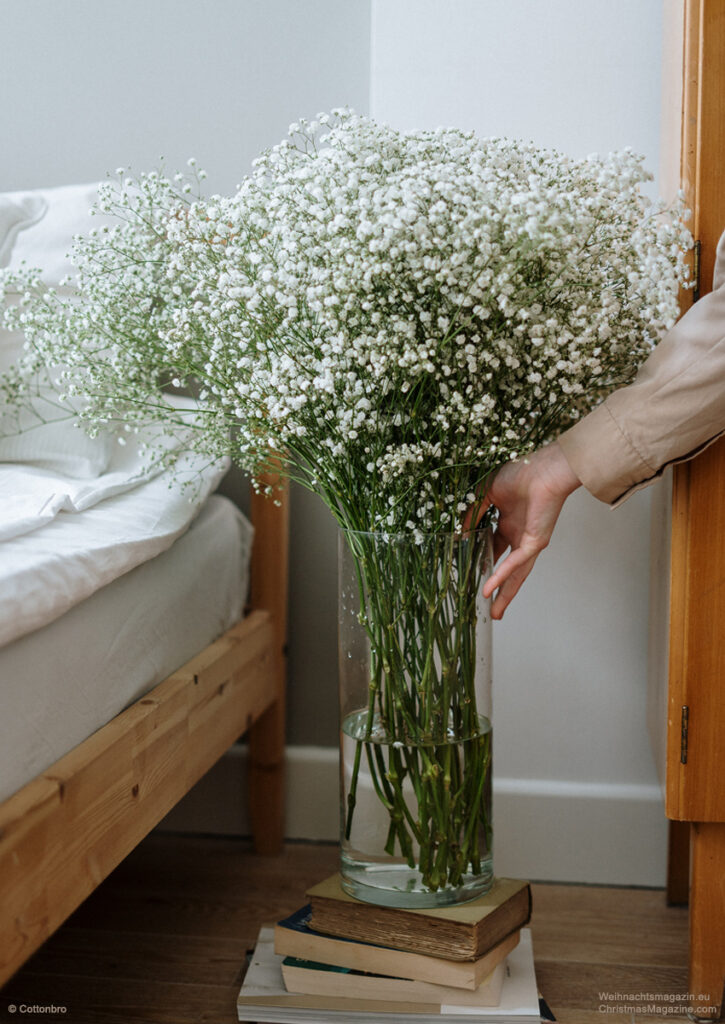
267,779
678,863
267,735
707,918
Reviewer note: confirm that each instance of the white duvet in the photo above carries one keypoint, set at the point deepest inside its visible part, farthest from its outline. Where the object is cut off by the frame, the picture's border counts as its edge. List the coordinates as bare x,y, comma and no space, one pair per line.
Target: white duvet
62,538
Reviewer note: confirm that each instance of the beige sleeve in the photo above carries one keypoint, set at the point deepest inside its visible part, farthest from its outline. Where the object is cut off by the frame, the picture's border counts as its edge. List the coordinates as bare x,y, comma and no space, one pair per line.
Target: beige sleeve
674,407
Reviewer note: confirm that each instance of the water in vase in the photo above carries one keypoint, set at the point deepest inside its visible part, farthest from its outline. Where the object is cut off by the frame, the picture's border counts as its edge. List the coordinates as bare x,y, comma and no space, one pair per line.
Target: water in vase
416,817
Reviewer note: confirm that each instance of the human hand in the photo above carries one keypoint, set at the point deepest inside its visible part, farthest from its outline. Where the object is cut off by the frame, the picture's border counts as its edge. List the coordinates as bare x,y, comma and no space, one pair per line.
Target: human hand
529,495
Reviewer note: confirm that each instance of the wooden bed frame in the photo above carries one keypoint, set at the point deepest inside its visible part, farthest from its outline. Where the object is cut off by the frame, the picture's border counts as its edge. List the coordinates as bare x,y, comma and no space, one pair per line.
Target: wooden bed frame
67,829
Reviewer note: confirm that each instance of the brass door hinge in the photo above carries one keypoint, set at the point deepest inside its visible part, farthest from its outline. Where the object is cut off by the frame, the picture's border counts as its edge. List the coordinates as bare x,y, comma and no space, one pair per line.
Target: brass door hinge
684,723
696,270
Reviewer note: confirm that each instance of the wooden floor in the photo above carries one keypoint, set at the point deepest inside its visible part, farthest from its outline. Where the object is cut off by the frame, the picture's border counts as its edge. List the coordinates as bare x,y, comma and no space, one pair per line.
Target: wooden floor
163,939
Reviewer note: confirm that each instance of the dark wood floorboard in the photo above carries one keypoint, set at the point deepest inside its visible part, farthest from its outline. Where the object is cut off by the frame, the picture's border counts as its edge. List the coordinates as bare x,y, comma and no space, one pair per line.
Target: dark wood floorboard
163,940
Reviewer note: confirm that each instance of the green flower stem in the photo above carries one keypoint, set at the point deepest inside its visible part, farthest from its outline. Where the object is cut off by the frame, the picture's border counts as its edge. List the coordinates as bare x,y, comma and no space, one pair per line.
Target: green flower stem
418,608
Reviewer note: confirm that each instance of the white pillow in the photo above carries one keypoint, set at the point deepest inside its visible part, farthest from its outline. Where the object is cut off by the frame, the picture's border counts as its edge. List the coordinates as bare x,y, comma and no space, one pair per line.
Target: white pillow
57,444
53,440
62,213
11,342
47,243
17,212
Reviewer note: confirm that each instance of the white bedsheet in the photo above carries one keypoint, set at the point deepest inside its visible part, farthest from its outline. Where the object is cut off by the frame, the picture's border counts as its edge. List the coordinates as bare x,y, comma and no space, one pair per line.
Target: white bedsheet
62,682
62,538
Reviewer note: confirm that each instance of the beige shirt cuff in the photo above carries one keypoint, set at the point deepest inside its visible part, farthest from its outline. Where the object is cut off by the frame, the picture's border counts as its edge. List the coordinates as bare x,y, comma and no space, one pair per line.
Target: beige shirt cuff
603,458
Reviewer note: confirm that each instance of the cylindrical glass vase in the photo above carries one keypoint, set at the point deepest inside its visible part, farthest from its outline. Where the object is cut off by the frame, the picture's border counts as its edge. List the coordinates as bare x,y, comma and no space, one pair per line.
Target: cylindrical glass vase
415,703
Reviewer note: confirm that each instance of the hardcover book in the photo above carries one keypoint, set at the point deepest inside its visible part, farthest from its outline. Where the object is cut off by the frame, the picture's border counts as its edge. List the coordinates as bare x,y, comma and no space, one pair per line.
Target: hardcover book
464,931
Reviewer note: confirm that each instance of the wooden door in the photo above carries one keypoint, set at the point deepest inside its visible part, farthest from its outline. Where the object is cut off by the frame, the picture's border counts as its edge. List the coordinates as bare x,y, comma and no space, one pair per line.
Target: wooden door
695,788
695,741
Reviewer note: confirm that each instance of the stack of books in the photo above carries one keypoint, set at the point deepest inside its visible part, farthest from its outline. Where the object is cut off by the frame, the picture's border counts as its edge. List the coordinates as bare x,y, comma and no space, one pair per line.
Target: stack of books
338,959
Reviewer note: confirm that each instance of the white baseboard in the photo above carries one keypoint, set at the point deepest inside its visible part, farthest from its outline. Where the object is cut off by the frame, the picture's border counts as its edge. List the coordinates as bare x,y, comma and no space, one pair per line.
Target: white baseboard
218,803
548,830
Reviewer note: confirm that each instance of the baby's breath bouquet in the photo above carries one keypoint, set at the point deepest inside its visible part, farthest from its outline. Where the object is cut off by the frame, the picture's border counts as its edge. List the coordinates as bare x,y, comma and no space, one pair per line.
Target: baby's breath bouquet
399,314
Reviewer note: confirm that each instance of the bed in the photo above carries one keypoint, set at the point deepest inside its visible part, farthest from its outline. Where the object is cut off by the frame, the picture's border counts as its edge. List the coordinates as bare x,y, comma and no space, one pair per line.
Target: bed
142,632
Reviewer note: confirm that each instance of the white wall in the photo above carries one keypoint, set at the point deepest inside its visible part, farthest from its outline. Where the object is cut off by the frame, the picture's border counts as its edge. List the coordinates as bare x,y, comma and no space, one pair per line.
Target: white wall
577,793
88,86
582,77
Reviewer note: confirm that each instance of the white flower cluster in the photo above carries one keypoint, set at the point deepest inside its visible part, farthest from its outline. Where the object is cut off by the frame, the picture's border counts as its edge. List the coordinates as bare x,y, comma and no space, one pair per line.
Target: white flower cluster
400,313
99,342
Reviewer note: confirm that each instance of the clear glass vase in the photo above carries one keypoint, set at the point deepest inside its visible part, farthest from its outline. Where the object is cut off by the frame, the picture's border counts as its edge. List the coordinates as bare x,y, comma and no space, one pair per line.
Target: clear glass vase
415,703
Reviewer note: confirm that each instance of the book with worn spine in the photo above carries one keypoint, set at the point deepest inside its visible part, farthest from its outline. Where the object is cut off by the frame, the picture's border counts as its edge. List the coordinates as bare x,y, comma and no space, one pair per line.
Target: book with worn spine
295,937
463,931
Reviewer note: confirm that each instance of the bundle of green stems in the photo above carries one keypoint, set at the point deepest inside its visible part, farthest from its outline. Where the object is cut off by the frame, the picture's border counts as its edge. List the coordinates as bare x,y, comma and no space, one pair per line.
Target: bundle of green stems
423,732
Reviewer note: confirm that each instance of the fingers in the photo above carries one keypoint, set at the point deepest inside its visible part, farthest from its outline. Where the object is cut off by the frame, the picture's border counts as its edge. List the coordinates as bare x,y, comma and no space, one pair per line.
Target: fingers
518,557
510,588
507,578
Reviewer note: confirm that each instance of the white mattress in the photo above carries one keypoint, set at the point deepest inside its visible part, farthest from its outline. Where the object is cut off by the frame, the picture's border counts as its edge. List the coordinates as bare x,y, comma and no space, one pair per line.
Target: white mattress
63,681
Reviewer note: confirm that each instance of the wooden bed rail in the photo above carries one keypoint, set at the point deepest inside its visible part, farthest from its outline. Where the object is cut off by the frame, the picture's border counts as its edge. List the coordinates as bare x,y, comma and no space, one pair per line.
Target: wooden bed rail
64,832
